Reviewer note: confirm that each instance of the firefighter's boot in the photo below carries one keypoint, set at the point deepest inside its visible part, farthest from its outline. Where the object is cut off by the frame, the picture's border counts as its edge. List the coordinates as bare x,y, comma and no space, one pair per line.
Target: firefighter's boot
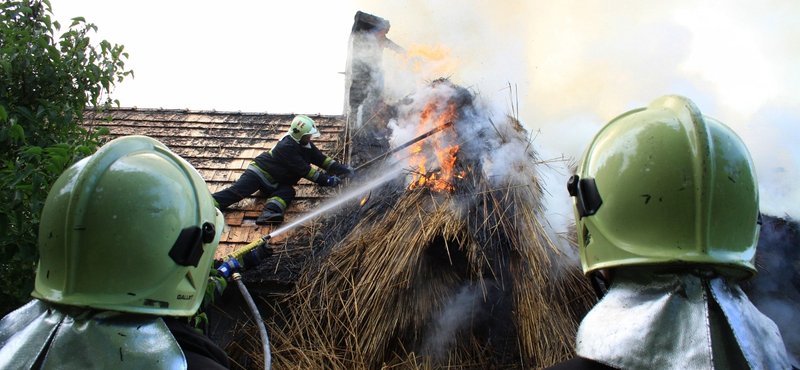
270,215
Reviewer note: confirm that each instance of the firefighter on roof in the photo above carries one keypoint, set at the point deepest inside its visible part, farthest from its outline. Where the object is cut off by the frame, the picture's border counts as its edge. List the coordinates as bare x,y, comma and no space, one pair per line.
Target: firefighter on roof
127,239
666,209
275,172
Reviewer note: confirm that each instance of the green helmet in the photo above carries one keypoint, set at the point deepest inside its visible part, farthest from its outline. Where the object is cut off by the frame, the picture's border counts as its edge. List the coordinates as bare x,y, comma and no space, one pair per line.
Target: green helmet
302,126
665,185
131,228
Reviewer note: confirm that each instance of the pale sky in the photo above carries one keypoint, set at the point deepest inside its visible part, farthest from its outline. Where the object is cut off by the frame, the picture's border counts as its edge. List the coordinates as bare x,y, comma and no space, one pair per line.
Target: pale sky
575,64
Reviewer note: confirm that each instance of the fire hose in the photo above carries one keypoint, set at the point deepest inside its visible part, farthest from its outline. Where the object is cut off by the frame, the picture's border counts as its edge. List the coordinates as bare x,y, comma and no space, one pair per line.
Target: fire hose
253,253
262,330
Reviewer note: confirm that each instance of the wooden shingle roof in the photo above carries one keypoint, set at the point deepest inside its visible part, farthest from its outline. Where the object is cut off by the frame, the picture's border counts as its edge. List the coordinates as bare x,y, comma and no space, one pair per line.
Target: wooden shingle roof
221,145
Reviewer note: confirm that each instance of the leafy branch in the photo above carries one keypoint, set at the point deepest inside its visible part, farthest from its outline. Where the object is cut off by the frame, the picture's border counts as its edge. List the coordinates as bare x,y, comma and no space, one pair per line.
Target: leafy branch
46,82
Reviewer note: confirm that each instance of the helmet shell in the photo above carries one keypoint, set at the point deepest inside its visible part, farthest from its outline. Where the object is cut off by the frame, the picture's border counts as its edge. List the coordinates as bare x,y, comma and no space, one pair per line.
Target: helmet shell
677,188
302,126
110,230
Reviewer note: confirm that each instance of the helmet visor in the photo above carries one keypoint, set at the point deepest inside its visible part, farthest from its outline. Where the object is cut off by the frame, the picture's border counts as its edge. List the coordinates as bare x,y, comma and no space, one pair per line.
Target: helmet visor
314,132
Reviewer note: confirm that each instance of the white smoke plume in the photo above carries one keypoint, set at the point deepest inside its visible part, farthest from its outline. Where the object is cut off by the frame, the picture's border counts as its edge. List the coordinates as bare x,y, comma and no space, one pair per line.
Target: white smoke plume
576,64
776,290
457,315
483,135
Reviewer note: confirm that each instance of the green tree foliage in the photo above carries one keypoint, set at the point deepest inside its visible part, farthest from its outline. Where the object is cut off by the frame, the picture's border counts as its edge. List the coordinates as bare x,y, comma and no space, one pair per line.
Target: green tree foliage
46,82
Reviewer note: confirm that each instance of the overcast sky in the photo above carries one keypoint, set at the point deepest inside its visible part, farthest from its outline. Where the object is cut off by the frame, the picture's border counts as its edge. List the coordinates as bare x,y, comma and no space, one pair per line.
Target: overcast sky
575,64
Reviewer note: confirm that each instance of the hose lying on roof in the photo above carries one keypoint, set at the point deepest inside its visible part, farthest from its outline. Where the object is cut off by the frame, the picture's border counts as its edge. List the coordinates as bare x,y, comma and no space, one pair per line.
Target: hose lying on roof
257,318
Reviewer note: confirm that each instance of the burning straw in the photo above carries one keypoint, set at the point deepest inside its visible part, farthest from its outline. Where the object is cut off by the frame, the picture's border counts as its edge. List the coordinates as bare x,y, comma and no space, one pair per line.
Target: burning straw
415,278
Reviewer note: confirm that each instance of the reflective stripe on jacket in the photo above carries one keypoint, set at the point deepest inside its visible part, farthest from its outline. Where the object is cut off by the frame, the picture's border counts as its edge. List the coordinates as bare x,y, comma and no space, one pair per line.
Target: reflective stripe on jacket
289,161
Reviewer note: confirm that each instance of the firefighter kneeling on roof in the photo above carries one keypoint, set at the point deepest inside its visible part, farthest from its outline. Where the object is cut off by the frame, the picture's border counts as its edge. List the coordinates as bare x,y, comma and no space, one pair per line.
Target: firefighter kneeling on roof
276,171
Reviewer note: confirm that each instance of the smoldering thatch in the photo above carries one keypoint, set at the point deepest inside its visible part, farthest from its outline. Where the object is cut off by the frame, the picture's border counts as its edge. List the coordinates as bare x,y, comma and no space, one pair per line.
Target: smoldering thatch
425,279
418,279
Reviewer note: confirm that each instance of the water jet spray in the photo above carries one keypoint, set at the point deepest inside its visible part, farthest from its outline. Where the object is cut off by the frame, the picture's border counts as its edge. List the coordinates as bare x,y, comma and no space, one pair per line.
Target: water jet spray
232,260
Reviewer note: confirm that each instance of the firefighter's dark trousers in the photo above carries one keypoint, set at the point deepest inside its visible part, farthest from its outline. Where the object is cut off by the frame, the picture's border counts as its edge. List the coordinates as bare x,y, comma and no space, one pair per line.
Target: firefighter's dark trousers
279,196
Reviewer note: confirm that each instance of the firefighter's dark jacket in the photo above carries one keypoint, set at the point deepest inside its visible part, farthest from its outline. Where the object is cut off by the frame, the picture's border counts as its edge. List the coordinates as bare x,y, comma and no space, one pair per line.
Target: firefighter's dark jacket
289,161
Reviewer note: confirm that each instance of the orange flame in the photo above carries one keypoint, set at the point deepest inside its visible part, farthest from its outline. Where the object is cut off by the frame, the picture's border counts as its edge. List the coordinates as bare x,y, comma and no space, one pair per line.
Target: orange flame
429,60
445,153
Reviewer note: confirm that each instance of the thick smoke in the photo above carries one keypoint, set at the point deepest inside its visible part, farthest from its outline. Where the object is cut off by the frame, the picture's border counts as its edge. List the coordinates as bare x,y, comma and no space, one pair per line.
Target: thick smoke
574,65
776,290
483,136
458,314
577,64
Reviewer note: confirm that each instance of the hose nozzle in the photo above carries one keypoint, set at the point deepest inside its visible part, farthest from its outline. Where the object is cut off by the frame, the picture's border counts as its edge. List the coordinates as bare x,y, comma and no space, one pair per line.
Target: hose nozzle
249,255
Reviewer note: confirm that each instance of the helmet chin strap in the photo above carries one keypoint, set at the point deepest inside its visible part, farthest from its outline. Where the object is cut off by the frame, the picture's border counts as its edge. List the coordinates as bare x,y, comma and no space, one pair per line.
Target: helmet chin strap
599,283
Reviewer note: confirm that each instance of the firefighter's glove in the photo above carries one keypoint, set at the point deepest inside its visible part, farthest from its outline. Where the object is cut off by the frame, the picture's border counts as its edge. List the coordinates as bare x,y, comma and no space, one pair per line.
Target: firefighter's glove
349,171
257,256
334,181
215,287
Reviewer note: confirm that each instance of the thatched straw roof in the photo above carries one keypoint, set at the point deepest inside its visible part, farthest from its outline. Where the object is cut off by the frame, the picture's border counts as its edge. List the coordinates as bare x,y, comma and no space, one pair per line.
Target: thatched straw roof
416,278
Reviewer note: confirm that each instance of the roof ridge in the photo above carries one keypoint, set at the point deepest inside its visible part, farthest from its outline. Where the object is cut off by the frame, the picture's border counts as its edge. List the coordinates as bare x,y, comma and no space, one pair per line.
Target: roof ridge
210,112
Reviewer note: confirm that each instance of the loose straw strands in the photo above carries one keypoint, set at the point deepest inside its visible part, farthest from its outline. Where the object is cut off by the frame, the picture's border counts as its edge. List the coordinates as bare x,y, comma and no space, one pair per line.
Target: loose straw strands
414,279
